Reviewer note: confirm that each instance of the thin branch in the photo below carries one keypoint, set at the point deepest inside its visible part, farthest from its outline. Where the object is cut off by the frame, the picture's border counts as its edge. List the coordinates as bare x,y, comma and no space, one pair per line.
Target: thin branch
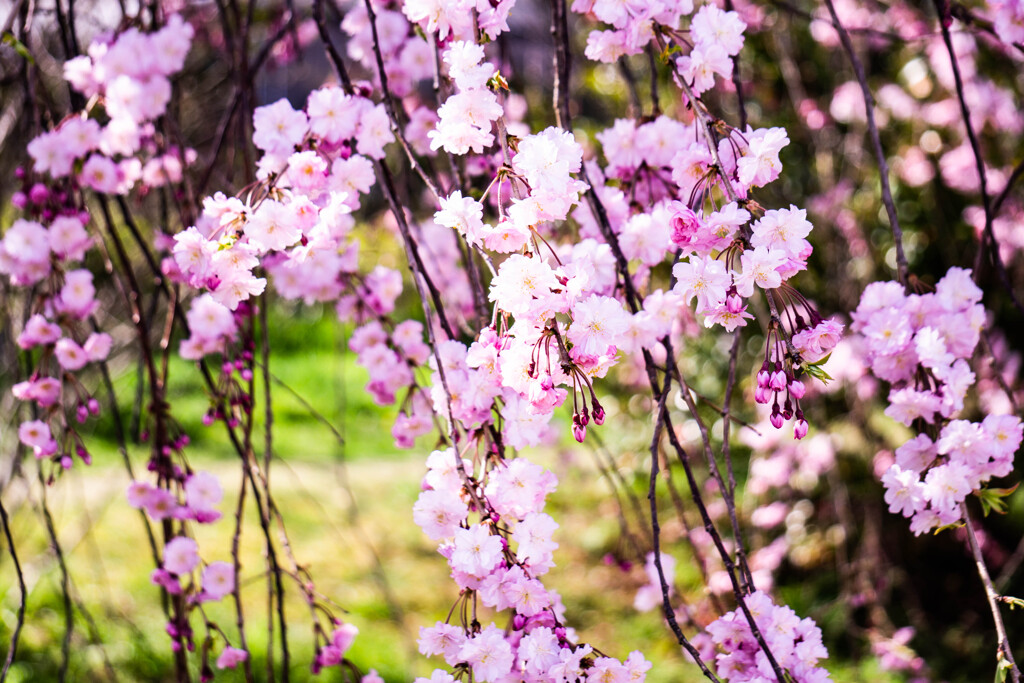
22,592
979,162
666,603
389,106
997,204
876,141
69,615
1004,652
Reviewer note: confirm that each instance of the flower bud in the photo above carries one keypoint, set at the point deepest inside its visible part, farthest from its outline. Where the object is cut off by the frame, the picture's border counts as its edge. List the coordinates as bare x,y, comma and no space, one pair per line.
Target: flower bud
797,389
579,432
778,381
39,193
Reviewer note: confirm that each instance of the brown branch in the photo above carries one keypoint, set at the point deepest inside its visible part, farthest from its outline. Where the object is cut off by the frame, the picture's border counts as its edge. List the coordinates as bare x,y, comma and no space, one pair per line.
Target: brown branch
876,142
389,106
69,615
22,591
1004,651
666,603
979,162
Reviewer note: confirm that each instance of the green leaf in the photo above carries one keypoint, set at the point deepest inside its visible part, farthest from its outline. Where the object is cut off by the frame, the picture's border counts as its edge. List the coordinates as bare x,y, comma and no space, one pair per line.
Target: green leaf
954,525
820,362
1002,668
666,54
818,373
19,47
1013,602
994,500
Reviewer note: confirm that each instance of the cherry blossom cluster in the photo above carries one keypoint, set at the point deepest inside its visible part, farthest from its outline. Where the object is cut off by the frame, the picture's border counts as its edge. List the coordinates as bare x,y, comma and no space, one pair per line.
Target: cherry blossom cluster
300,231
467,116
921,344
722,255
459,19
127,82
795,643
498,560
314,168
407,56
43,255
1008,20
895,654
185,497
930,479
725,259
530,354
633,25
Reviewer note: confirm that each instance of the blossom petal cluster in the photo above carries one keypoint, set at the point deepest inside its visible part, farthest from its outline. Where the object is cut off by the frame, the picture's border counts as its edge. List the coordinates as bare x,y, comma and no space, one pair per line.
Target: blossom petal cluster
922,345
794,642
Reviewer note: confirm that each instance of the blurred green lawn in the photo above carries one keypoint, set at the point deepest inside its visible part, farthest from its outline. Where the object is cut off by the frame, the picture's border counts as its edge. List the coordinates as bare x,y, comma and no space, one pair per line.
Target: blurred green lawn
348,510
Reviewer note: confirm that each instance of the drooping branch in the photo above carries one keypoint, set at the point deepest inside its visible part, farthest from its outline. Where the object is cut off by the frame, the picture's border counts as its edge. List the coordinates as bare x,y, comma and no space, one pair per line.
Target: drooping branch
12,649
902,267
1005,654
979,162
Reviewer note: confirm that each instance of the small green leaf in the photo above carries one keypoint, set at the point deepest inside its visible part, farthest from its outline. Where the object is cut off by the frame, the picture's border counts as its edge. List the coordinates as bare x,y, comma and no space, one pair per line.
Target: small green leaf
954,525
666,54
19,47
994,500
1013,602
1002,668
820,362
818,373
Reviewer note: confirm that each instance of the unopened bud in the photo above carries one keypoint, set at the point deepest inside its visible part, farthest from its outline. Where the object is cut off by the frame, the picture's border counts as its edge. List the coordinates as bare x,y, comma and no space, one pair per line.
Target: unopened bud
797,389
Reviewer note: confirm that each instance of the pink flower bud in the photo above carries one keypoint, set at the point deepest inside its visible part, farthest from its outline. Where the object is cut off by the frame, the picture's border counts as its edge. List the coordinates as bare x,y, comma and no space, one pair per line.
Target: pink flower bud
800,430
797,389
579,432
39,193
778,381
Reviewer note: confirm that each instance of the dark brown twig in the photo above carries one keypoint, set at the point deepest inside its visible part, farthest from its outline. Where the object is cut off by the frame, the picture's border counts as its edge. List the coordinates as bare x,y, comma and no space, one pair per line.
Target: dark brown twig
979,163
876,142
22,592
